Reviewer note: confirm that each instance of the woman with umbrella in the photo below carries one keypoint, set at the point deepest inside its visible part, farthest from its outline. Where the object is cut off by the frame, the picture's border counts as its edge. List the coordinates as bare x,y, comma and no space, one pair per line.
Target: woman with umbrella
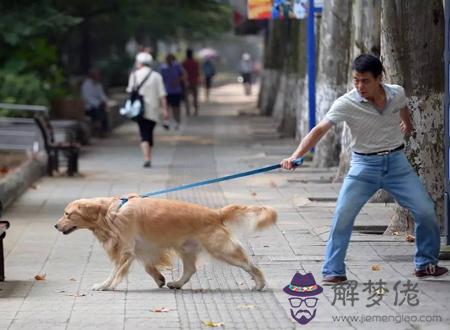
208,68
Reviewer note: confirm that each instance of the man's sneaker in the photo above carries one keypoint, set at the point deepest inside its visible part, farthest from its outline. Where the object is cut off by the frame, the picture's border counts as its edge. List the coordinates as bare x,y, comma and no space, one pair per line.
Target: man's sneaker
147,164
334,279
431,271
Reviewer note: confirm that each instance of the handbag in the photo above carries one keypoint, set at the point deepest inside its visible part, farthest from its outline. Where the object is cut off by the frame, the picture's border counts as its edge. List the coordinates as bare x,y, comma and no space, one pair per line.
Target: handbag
134,107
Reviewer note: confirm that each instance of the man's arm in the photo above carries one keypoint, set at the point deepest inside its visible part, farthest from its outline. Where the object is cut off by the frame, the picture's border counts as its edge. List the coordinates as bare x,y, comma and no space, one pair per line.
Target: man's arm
308,142
406,125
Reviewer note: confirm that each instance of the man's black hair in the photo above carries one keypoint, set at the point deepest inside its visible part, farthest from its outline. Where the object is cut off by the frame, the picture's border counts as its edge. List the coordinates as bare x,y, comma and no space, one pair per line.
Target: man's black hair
189,53
368,63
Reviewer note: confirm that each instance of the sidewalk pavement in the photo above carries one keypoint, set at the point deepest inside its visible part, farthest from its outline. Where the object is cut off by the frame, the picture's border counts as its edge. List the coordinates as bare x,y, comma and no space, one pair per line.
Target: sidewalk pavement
228,137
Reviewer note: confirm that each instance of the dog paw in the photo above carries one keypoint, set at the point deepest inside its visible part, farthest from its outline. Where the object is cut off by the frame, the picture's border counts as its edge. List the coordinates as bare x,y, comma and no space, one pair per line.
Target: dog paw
161,281
174,285
260,286
99,287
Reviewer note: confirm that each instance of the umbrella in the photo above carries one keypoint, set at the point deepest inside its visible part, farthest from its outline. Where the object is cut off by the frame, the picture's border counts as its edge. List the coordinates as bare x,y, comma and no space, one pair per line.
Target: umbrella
207,53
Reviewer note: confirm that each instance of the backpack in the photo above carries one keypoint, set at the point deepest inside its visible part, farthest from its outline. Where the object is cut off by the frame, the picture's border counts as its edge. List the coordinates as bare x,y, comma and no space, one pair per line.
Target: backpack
208,69
134,107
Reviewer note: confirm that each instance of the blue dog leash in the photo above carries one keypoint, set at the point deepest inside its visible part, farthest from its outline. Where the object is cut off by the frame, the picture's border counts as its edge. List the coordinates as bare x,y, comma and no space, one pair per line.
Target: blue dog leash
297,162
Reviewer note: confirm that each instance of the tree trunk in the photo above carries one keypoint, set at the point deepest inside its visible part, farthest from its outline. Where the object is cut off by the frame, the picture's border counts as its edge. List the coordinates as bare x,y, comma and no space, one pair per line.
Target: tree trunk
412,48
345,156
274,52
85,53
332,77
366,16
289,95
270,82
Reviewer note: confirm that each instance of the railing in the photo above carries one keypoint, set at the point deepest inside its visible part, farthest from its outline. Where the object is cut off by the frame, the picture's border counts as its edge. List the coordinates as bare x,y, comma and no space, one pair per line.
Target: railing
23,107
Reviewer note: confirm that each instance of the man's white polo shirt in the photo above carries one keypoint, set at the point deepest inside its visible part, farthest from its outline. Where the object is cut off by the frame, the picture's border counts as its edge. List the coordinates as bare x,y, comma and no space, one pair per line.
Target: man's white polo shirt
372,130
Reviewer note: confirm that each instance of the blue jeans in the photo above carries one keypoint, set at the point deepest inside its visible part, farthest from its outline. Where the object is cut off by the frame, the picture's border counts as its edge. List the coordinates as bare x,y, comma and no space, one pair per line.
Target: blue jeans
394,174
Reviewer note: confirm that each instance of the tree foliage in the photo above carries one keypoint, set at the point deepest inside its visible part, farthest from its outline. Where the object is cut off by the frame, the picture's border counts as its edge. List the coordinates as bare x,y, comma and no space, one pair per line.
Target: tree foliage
172,19
29,62
43,42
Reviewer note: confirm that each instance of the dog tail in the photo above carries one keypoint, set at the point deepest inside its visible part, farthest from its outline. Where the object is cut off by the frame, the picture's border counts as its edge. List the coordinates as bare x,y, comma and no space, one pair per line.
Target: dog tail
247,219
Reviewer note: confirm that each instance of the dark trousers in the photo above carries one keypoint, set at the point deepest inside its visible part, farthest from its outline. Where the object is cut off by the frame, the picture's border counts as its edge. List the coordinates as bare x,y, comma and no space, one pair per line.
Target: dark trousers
146,127
99,117
191,90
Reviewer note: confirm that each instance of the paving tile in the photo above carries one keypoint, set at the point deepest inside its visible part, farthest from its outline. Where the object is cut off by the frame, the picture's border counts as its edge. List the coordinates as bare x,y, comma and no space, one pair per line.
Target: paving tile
216,143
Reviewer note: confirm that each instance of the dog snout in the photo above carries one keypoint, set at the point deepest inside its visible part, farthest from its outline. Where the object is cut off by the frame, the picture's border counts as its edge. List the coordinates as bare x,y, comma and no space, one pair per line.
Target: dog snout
56,226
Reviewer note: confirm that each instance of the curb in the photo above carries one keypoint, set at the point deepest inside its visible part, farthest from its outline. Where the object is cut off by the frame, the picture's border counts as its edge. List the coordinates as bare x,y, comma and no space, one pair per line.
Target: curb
15,183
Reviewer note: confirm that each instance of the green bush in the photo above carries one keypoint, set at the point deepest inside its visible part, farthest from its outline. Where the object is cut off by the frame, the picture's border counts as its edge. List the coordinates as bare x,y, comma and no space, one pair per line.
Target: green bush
20,89
30,76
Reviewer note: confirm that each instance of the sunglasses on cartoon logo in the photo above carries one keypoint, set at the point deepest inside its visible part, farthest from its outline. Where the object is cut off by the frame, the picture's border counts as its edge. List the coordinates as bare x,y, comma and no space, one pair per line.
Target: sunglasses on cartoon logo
297,302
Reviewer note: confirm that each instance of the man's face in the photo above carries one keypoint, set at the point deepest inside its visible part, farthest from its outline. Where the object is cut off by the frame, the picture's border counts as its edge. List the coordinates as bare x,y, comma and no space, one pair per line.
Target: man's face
95,75
303,310
366,84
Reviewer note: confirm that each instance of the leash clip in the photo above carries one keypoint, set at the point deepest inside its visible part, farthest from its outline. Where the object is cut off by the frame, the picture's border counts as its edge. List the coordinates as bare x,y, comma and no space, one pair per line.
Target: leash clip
297,162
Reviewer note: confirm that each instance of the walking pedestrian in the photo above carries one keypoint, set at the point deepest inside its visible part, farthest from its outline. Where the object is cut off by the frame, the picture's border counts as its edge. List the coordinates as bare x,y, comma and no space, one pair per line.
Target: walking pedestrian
377,115
154,94
191,67
209,72
173,76
246,69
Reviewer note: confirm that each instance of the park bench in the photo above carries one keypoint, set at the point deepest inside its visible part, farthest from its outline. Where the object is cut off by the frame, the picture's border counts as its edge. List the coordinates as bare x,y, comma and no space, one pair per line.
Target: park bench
4,225
69,149
19,134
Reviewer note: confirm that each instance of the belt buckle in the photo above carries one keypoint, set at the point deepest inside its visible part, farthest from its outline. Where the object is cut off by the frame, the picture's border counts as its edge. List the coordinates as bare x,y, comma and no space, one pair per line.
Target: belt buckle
383,153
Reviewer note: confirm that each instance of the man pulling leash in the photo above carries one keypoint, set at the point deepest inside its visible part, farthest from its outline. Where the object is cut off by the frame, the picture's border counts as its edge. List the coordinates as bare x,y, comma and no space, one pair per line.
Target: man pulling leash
377,115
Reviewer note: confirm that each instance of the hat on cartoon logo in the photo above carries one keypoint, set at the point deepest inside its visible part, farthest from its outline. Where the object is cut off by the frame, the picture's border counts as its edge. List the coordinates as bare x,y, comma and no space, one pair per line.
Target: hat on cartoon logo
303,286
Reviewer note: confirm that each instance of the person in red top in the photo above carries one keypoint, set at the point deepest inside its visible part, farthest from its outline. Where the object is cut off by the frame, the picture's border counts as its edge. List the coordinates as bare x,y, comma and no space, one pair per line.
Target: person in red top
191,67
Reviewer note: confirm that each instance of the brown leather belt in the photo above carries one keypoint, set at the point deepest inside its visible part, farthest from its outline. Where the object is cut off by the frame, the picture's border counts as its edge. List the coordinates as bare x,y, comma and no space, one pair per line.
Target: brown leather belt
381,153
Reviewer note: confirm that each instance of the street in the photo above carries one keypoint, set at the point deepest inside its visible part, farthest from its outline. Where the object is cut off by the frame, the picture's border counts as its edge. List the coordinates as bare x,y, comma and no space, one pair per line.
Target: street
227,137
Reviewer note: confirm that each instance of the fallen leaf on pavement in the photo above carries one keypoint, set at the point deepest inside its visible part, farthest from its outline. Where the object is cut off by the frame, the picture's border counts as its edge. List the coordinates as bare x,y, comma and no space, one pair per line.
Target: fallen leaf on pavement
40,277
375,268
253,193
72,279
273,184
213,324
76,295
410,238
160,310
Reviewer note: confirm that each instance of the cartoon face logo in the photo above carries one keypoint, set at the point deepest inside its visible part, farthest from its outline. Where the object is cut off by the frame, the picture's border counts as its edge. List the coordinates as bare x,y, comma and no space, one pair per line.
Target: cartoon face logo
303,303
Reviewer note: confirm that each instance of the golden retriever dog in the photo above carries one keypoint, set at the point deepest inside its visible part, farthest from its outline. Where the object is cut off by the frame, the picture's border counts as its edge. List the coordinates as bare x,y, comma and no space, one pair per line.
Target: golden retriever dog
151,229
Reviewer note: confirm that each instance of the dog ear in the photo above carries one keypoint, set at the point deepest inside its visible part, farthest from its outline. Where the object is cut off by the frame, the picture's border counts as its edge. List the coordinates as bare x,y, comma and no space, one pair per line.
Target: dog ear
90,209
